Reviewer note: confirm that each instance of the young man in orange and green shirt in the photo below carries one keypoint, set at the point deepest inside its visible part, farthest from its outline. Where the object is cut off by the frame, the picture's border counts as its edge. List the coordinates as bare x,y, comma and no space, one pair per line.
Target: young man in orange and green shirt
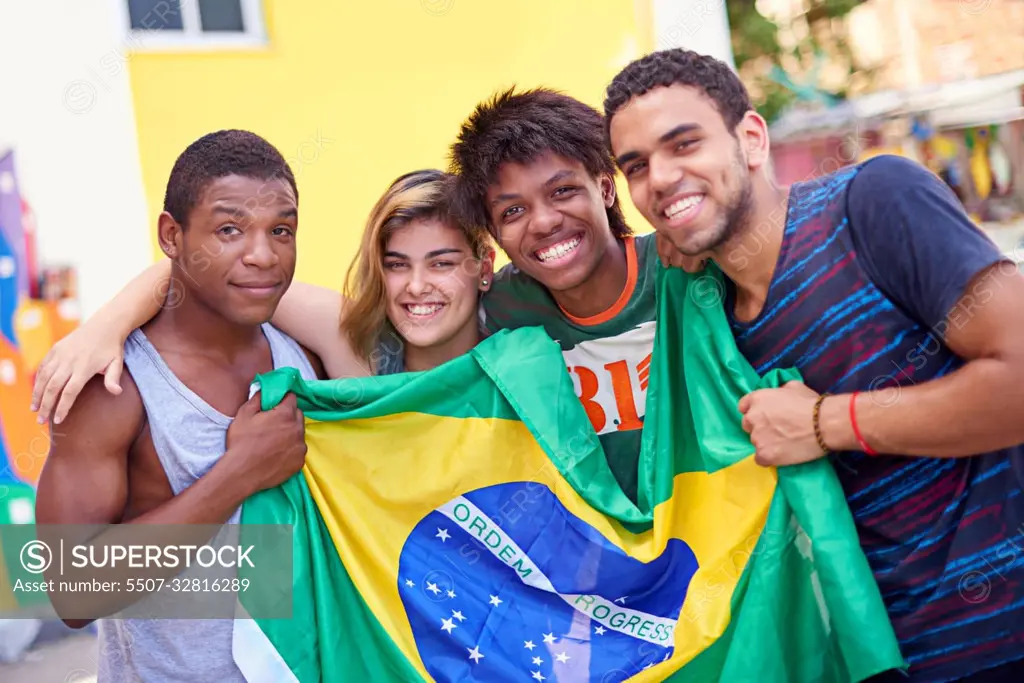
535,168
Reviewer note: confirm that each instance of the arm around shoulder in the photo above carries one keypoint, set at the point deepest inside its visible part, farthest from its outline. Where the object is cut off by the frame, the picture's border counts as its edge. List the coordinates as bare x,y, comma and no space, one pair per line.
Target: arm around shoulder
313,316
97,346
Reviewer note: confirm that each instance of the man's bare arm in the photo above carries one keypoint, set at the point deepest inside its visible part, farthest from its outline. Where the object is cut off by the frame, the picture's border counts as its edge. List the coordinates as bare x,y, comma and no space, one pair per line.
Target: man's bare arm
85,478
976,409
85,481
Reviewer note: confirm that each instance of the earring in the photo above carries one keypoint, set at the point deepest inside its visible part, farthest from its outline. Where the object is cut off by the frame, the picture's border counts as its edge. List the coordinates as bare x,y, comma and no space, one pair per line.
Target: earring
483,282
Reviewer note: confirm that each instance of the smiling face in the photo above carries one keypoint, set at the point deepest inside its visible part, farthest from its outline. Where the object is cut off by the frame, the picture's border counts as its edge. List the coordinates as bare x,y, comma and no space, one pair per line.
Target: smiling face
551,219
687,173
237,250
433,280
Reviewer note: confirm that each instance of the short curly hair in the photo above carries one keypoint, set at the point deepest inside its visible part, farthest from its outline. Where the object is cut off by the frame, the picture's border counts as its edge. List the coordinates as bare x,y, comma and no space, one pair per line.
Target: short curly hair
219,154
682,67
518,127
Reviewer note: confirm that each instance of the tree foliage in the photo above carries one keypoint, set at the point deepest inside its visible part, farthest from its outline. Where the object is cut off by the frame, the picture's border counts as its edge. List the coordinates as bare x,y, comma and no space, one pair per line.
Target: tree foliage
778,75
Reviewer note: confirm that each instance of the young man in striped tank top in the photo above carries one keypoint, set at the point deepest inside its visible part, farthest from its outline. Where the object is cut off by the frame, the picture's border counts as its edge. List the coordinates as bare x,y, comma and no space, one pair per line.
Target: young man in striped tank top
907,324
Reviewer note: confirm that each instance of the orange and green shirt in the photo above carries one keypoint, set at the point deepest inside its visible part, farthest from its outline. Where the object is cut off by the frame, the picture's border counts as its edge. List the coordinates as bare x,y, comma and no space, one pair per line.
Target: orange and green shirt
608,355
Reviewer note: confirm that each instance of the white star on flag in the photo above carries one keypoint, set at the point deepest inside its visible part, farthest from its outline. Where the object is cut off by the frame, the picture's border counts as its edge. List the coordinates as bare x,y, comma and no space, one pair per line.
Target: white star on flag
529,645
538,661
495,600
442,534
538,675
475,654
549,637
456,614
563,658
409,583
448,625
451,593
433,588
599,630
622,600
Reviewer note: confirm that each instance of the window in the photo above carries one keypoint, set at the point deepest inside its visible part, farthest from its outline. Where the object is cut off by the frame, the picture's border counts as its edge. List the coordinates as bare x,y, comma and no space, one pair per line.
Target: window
194,24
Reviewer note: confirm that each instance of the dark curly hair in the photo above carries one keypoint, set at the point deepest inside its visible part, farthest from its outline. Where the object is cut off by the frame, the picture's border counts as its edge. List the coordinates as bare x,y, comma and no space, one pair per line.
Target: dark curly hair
519,127
683,67
219,154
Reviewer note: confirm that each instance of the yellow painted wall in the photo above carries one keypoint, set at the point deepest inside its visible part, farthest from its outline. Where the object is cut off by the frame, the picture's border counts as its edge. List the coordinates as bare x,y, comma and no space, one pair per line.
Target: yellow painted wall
356,93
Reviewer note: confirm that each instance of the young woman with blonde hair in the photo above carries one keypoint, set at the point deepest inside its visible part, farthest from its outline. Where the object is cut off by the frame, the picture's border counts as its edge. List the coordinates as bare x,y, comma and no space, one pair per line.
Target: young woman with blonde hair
411,298
416,280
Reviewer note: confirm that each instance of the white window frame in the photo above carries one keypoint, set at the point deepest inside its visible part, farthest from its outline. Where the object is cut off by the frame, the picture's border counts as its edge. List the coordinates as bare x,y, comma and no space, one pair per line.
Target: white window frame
192,37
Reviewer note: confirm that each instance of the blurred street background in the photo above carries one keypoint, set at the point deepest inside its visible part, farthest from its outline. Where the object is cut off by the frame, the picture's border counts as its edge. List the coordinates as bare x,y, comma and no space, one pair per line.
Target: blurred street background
71,659
99,98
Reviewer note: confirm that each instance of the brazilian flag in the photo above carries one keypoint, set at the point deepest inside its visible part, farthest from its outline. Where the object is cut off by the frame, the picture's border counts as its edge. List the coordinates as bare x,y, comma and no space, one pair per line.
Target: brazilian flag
462,524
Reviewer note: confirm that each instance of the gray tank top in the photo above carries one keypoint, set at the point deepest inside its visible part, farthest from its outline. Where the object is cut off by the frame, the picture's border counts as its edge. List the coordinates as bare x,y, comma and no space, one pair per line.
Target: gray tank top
189,436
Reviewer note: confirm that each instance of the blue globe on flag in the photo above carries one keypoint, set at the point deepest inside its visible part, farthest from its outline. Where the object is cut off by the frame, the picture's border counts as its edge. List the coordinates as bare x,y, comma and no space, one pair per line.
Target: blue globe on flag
505,583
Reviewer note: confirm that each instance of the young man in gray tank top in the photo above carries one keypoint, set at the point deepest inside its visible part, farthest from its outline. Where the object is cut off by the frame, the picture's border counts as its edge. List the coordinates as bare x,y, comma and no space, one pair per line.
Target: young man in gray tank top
167,449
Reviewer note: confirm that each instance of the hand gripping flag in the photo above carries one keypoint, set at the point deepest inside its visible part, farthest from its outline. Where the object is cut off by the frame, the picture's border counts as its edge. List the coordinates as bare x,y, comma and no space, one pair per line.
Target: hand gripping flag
462,524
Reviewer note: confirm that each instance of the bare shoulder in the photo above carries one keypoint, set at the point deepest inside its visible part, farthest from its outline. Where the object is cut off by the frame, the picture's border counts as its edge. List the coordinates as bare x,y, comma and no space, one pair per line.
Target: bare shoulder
99,414
85,477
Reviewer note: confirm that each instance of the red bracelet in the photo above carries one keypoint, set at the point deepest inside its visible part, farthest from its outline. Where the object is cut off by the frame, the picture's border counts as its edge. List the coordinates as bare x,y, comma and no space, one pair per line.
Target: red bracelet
856,430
